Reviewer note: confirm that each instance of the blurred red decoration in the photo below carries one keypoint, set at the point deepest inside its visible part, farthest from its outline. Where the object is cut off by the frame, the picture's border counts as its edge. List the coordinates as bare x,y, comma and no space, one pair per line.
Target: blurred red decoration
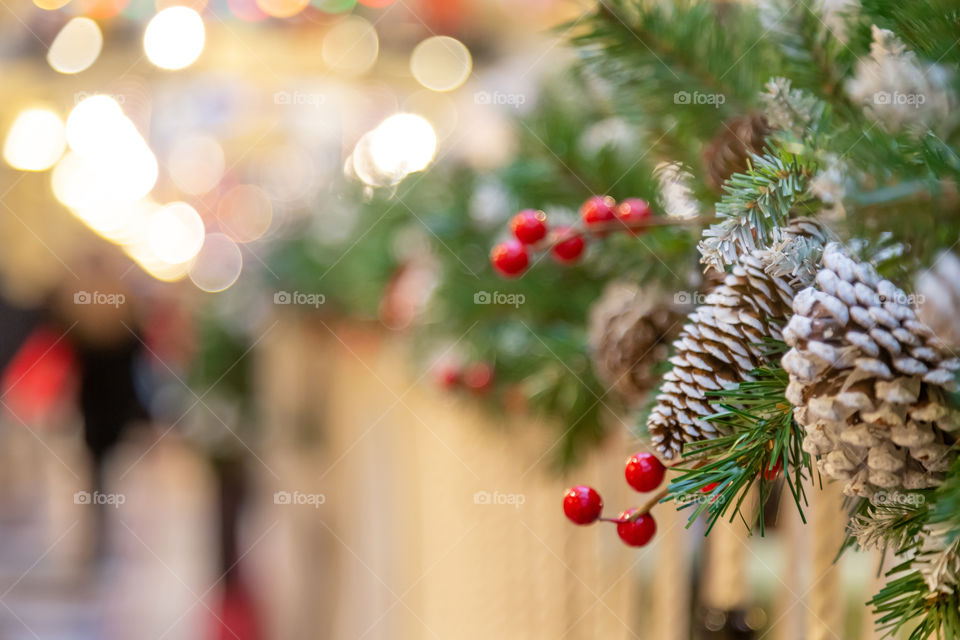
40,376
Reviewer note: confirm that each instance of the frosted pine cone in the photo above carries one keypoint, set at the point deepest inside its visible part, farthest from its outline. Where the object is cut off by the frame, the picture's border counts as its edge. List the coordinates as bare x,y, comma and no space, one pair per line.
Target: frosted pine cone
867,380
939,299
629,332
720,345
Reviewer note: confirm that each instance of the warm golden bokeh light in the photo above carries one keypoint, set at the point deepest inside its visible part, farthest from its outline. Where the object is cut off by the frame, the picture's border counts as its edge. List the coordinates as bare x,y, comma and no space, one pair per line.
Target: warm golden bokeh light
282,8
402,144
175,233
174,38
76,47
351,46
35,141
51,5
441,63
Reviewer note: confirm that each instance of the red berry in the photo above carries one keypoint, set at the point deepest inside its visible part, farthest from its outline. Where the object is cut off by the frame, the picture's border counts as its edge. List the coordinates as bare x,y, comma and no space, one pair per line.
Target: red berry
569,247
636,533
633,211
582,504
770,474
598,210
478,376
510,258
529,226
710,487
644,472
448,376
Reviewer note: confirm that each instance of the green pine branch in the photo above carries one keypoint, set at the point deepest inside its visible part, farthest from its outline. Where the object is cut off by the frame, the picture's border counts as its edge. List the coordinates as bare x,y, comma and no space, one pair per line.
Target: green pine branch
906,602
760,437
756,205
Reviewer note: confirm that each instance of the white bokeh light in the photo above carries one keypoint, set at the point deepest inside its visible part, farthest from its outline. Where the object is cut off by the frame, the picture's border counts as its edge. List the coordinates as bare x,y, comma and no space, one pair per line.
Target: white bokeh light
174,38
402,144
35,141
76,47
218,265
175,233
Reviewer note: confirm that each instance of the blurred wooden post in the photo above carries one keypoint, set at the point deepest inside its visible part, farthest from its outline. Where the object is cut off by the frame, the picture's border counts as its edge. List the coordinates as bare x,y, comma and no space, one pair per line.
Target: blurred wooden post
825,597
671,593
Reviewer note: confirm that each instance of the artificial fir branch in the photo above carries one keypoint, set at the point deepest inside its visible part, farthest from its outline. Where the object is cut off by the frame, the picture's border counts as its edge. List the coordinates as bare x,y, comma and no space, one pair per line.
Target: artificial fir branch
756,206
906,600
762,437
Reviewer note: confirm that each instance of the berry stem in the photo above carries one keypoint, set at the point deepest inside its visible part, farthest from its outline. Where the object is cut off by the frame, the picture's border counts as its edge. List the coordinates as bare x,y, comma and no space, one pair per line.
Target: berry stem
658,496
602,228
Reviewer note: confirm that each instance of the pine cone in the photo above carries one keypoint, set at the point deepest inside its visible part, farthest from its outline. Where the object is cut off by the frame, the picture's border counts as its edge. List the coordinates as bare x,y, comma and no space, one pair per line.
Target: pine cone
731,147
629,333
939,299
867,380
719,346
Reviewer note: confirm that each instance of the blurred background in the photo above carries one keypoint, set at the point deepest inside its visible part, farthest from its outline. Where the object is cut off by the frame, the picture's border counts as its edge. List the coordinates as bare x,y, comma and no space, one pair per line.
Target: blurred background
207,431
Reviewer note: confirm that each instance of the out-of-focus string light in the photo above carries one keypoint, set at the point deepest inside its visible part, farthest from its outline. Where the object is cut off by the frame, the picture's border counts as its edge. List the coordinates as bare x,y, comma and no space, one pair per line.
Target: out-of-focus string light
245,213
400,145
351,46
174,38
441,63
218,265
102,9
403,143
196,164
36,140
196,5
377,3
175,232
50,5
282,8
76,47
118,163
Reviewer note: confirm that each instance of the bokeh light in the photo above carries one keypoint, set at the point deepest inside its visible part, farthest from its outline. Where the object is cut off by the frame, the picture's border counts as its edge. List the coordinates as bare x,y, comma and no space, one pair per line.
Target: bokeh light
246,10
196,5
175,233
50,5
377,3
402,144
174,38
76,47
196,164
282,8
351,46
287,174
102,9
441,63
218,265
118,163
245,213
36,140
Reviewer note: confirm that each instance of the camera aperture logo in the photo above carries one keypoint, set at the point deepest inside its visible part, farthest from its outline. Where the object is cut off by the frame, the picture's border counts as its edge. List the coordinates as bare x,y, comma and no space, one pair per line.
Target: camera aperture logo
99,297
299,298
516,500
298,497
112,499
496,297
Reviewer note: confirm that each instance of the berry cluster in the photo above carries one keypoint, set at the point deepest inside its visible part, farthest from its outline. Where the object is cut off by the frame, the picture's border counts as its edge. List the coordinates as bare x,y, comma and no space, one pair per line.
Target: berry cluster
644,472
598,216
476,377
